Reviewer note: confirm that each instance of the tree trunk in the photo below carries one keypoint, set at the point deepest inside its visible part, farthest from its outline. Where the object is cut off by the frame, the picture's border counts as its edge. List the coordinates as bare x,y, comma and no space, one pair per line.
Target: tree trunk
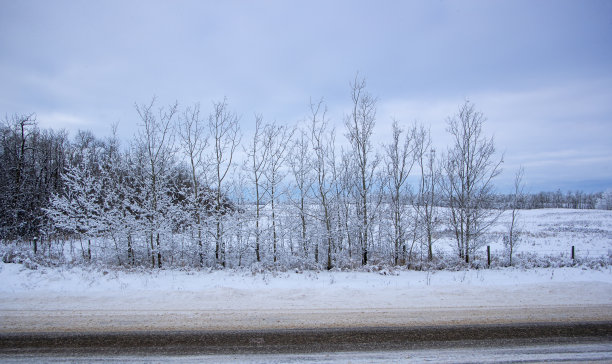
159,254
273,224
130,252
257,212
152,250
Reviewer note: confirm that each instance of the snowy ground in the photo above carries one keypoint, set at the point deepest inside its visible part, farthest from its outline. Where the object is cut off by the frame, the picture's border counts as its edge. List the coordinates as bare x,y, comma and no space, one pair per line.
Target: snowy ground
552,232
93,300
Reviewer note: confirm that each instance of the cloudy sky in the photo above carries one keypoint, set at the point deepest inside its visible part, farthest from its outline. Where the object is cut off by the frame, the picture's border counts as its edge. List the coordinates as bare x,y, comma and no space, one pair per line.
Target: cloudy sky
540,71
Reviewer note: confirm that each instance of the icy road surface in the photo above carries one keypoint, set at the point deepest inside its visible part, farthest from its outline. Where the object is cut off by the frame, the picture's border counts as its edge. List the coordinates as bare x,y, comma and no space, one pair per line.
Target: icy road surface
574,353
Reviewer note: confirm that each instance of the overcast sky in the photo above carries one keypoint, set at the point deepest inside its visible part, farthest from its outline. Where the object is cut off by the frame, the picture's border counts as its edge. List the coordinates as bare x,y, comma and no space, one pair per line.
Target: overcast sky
540,71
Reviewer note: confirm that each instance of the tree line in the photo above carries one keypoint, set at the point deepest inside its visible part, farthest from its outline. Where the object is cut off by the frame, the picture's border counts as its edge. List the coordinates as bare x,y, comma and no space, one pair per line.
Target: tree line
557,200
190,190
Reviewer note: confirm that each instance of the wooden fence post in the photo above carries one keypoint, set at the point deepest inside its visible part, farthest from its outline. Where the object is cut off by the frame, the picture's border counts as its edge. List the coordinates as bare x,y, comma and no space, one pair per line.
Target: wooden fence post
573,253
488,255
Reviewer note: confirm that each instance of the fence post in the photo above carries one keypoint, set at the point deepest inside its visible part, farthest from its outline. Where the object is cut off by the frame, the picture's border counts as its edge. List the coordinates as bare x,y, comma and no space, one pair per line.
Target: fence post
488,255
573,253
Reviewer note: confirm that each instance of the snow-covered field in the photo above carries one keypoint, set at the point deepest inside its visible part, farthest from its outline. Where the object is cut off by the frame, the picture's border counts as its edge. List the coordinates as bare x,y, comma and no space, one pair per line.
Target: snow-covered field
546,237
85,298
552,232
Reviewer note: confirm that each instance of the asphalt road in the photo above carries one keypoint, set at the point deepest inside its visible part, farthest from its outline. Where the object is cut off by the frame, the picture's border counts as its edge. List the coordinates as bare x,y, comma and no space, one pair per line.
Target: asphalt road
374,339
585,351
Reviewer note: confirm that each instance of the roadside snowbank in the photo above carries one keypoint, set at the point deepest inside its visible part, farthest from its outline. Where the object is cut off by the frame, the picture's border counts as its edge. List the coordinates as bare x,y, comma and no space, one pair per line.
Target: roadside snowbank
51,299
17,278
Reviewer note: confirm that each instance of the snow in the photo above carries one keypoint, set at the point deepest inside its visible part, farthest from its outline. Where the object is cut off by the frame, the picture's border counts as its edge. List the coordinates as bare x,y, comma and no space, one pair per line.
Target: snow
18,279
555,231
90,298
546,235
582,352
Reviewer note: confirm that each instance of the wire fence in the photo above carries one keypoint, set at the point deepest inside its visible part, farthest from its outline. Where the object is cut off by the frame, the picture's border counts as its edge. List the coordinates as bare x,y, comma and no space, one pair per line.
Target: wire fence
576,251
571,254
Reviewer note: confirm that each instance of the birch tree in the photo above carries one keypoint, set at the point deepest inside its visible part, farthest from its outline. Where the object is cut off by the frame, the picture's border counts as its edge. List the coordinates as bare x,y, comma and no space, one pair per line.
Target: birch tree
470,169
512,239
427,198
301,168
225,133
322,144
398,162
344,176
257,164
359,128
277,139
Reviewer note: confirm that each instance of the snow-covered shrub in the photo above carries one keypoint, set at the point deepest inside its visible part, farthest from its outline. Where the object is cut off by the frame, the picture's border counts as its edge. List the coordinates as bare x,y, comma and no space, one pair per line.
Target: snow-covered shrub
18,254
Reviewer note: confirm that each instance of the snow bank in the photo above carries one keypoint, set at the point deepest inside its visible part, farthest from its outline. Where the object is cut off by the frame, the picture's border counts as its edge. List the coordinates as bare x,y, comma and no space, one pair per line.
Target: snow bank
82,299
17,278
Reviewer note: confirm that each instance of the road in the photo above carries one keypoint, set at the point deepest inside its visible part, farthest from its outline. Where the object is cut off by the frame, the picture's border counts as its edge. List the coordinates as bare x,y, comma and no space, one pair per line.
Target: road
132,318
559,334
588,352
302,340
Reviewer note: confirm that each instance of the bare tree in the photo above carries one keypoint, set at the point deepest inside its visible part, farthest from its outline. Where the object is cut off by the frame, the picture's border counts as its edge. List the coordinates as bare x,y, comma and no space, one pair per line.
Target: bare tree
344,174
513,238
241,224
155,143
257,159
399,160
23,127
31,163
224,130
194,140
301,167
359,128
427,197
322,143
276,140
431,200
470,168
